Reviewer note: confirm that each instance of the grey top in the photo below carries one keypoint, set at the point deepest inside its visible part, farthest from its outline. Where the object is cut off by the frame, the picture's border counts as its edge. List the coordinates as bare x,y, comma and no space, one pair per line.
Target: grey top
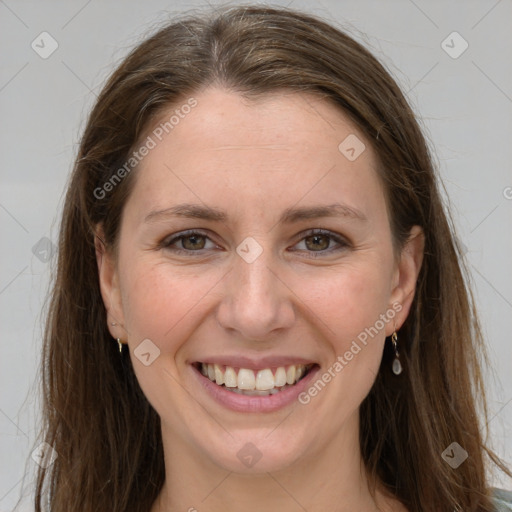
502,500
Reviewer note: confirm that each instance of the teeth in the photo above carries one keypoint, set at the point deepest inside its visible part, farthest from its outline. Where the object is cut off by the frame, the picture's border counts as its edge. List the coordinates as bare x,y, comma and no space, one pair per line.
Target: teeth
219,376
290,375
264,380
248,382
246,379
280,377
256,392
230,379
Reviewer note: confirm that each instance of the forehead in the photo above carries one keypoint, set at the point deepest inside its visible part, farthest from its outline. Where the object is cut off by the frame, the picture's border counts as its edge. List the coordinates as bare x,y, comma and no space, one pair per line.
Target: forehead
275,150
287,120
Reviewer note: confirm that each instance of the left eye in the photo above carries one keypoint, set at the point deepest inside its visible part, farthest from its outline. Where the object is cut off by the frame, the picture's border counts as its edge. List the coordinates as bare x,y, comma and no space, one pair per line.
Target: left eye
320,241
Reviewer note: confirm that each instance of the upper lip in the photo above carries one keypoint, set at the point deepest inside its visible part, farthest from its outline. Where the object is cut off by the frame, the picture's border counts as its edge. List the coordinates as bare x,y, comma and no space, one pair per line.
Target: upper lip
255,363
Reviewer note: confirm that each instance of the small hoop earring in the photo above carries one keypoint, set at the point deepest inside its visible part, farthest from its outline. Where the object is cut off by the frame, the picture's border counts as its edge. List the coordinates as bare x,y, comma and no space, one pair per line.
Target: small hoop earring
120,345
397,365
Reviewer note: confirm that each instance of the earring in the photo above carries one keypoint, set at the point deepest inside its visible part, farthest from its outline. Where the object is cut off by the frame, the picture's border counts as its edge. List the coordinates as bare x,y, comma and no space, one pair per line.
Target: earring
397,366
120,345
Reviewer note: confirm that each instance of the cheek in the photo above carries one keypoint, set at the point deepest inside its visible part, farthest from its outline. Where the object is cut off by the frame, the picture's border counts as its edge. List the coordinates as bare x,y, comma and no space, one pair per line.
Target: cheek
349,301
165,306
355,340
157,298
352,305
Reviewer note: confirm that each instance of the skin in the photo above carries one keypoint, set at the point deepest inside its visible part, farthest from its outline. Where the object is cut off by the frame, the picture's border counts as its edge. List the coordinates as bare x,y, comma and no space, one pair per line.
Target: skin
254,159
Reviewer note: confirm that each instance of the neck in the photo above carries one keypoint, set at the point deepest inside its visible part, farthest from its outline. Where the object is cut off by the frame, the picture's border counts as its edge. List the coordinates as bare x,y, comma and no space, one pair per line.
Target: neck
330,479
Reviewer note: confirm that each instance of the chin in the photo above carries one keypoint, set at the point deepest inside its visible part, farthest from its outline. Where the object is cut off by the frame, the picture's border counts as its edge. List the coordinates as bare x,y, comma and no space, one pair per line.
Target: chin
255,452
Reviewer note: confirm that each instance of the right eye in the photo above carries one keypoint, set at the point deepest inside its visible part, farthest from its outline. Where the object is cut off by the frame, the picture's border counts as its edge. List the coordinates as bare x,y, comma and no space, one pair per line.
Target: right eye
188,242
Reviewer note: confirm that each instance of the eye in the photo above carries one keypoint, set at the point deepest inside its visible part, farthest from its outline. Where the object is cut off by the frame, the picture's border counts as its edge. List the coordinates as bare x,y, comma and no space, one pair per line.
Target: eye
187,241
315,241
321,241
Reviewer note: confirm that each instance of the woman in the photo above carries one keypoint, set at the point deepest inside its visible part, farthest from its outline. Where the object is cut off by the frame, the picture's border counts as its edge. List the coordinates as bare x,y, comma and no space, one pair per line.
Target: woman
254,213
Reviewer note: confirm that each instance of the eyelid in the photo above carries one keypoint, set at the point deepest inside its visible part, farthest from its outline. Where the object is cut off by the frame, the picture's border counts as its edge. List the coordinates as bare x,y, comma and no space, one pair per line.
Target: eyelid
339,239
342,241
176,237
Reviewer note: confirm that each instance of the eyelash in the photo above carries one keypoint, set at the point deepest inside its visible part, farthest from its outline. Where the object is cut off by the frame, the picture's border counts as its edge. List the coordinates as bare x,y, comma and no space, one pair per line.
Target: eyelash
167,243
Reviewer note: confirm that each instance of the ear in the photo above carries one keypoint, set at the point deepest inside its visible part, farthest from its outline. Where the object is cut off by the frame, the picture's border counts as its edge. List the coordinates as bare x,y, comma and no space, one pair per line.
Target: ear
109,285
405,277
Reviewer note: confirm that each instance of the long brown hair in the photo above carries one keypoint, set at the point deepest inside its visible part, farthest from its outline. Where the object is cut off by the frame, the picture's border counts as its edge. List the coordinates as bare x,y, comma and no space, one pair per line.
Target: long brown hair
106,434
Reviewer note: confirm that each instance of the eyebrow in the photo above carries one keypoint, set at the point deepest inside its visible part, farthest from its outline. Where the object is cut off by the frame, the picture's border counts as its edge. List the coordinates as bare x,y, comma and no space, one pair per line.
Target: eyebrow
289,216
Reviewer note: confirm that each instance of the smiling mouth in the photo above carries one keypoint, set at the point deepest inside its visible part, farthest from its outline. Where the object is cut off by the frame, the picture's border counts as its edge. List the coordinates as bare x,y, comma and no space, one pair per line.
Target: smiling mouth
264,382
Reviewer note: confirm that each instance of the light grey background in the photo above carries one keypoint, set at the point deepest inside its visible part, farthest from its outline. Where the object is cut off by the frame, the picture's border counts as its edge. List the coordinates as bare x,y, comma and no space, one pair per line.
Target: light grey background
464,104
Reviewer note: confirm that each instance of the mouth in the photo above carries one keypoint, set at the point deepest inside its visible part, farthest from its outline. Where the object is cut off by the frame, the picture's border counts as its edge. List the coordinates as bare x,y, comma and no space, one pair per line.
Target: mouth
254,382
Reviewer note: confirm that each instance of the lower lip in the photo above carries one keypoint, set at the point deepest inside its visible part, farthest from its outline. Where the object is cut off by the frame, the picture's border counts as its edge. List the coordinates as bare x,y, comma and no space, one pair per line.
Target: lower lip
245,403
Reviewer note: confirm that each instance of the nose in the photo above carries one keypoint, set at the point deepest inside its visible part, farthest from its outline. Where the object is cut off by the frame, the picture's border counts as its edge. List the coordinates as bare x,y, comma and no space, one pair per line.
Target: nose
257,303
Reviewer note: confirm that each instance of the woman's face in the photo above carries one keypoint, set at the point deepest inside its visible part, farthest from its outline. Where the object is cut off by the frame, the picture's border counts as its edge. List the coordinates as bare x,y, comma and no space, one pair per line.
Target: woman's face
257,239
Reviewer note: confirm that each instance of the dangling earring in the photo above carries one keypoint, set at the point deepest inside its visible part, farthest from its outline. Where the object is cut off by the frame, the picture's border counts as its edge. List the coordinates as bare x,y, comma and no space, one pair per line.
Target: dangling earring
120,345
397,366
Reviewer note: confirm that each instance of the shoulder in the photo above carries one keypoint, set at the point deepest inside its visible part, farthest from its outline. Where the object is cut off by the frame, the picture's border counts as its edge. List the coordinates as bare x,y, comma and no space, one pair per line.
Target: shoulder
502,500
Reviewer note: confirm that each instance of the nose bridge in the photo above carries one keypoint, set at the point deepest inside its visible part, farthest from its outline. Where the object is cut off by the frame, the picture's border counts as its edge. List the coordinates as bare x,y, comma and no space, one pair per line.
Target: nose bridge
256,280
256,303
